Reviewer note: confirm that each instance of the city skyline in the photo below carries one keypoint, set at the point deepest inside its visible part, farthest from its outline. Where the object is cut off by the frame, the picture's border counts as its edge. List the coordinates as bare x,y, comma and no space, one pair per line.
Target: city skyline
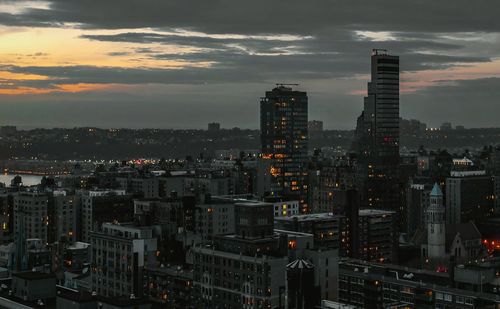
394,214
139,65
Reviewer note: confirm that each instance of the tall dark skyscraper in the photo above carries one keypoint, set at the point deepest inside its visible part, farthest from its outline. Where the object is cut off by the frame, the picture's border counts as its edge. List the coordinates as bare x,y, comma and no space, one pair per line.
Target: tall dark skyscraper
283,125
377,135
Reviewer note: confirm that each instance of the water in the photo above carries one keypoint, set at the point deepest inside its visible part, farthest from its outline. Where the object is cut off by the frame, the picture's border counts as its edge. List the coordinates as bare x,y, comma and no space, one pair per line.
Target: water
28,180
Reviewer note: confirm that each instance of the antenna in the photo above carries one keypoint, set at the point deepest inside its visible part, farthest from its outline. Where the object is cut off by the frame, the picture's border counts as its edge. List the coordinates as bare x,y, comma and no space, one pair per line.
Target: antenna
377,51
284,84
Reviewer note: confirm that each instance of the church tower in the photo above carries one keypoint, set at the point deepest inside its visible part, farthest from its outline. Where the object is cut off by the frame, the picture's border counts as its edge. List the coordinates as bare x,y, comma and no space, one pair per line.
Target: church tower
436,234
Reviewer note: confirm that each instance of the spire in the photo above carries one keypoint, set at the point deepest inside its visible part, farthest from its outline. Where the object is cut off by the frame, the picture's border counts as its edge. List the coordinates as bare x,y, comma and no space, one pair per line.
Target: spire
436,191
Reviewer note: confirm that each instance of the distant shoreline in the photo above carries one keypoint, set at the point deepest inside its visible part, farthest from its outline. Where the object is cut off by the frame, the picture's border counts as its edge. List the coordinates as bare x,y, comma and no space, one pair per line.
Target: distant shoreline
30,173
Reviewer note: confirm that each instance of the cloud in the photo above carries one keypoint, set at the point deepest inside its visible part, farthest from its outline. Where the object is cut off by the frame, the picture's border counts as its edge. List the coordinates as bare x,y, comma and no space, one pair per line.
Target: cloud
329,37
264,16
241,44
227,67
118,54
340,54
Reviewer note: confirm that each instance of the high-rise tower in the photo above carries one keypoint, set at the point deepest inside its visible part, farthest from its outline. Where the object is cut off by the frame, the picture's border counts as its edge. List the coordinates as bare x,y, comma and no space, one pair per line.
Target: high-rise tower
283,125
377,135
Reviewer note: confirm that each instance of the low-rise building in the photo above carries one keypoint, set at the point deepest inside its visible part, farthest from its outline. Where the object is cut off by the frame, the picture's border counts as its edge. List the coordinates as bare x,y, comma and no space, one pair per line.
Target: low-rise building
377,232
119,254
372,285
33,286
170,286
246,269
102,206
30,216
325,227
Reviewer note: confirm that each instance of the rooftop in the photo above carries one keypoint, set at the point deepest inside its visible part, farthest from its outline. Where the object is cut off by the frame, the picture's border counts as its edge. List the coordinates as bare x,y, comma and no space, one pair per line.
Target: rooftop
253,204
326,216
78,245
468,173
75,295
375,212
467,231
436,190
123,301
208,249
29,275
408,276
174,271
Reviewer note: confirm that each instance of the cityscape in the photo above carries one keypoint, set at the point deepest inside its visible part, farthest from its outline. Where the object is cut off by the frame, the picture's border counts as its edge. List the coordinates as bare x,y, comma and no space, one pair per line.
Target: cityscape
314,204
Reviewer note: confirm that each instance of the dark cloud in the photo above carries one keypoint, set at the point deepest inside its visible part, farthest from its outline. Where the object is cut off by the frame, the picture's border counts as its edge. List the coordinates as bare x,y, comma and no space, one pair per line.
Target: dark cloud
119,53
264,16
343,54
118,75
330,24
338,42
144,50
230,67
427,34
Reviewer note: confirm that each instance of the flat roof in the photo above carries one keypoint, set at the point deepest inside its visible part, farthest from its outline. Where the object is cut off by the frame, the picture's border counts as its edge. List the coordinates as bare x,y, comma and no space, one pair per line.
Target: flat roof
171,271
253,204
370,212
234,256
293,233
420,278
75,295
123,301
326,216
30,275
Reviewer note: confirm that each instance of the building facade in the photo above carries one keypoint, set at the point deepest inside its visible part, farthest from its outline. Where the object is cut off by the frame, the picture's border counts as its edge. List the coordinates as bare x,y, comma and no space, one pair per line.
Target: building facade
469,196
119,254
30,216
245,269
97,207
370,285
284,138
436,230
63,213
377,235
377,135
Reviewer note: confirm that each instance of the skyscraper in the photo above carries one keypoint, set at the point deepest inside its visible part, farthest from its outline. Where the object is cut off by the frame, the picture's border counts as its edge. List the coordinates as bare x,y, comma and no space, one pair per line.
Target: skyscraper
283,125
377,135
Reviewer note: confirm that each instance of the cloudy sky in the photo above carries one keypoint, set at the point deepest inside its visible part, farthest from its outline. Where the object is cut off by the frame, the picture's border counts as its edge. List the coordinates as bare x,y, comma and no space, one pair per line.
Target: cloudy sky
184,63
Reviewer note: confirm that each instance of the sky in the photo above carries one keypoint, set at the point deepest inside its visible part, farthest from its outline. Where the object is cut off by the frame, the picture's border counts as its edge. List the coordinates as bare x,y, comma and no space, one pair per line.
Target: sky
185,63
